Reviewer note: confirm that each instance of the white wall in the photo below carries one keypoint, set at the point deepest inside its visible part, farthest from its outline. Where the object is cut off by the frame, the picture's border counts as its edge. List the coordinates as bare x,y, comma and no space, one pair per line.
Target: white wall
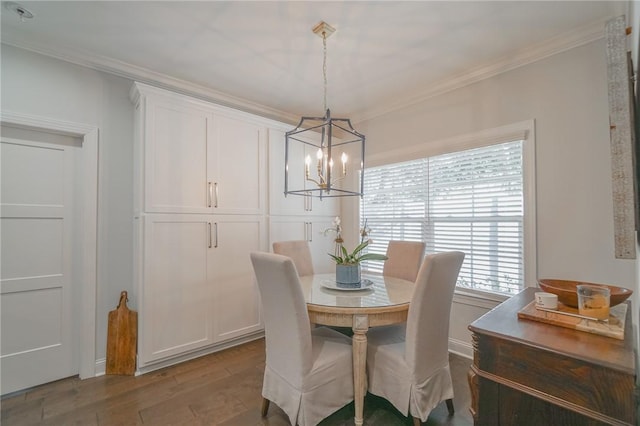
36,85
566,94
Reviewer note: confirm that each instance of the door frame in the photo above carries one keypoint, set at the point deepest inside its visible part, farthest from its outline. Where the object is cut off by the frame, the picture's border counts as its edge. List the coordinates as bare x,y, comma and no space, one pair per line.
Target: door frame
89,224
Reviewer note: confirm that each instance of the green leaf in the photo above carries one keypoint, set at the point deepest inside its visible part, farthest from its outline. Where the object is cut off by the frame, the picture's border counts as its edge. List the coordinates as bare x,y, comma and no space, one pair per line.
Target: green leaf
359,248
353,258
372,256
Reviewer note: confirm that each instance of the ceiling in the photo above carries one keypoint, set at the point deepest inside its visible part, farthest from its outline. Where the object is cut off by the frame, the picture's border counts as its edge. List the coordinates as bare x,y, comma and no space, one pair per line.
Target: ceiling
263,56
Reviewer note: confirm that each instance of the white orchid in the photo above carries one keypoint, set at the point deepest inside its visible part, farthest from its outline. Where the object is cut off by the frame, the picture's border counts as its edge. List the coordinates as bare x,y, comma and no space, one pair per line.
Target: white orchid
341,255
335,227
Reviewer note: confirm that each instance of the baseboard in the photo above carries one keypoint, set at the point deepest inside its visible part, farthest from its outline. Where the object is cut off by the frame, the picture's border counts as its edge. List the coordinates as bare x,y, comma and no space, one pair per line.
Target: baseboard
101,364
461,348
197,354
101,367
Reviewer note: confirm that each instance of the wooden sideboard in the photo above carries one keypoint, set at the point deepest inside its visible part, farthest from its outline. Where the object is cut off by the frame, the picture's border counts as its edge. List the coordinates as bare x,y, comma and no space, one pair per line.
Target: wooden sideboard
530,373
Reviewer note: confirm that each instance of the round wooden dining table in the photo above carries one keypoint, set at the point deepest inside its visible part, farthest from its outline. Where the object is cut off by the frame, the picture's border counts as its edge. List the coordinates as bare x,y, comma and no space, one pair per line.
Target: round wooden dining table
380,300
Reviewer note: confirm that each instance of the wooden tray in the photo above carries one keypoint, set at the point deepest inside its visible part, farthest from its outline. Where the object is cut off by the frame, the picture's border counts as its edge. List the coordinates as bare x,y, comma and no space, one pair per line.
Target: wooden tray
562,318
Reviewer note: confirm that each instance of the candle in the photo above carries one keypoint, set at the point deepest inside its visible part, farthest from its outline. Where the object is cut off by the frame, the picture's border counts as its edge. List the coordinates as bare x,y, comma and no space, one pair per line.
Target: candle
307,164
319,157
344,163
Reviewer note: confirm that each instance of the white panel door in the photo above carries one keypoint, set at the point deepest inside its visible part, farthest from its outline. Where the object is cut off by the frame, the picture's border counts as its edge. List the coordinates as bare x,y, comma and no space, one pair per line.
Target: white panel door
176,312
237,300
237,166
35,272
176,143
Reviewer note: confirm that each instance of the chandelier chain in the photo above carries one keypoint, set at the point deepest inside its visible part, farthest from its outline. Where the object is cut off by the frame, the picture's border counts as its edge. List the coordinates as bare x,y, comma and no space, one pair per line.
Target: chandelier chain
324,67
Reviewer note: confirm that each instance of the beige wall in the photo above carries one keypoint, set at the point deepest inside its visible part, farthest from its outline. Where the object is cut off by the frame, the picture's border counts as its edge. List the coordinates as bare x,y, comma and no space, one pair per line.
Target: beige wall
566,95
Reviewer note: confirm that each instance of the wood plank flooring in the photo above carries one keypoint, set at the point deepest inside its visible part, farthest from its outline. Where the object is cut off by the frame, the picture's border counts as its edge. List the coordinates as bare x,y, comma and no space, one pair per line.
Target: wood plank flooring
218,389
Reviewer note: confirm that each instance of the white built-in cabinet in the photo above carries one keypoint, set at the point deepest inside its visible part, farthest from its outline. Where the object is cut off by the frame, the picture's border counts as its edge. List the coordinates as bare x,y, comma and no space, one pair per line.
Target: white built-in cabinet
297,217
198,289
209,190
201,161
200,210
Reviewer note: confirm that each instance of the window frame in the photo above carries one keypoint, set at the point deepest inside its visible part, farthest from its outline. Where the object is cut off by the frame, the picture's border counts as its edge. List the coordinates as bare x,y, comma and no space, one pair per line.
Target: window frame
525,131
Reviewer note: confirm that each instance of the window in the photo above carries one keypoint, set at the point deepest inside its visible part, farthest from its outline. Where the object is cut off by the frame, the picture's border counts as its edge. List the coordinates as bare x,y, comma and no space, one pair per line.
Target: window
471,200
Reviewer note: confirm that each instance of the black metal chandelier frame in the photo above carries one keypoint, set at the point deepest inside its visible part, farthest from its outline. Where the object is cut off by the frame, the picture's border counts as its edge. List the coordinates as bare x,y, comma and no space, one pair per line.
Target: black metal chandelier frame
308,130
326,129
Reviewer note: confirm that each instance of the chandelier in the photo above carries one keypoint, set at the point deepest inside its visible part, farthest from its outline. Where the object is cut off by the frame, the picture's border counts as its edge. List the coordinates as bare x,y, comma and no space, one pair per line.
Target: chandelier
317,144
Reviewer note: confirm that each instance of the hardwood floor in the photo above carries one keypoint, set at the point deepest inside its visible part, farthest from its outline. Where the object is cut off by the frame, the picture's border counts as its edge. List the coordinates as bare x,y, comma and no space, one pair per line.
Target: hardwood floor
217,389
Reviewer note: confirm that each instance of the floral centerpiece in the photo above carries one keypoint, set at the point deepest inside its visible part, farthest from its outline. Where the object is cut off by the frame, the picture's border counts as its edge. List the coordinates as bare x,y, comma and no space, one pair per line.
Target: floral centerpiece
348,263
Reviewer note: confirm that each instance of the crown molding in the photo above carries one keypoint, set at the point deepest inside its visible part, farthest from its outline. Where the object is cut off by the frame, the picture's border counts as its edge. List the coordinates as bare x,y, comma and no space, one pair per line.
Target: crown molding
566,41
49,124
559,44
144,75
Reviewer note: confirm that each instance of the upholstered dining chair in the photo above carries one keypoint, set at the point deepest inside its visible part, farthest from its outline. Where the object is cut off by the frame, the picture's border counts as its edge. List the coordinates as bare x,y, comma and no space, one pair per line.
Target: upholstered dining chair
308,373
409,364
404,259
299,252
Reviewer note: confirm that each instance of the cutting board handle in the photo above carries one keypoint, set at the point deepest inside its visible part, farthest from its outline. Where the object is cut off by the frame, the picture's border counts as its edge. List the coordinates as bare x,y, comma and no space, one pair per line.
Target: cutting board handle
123,298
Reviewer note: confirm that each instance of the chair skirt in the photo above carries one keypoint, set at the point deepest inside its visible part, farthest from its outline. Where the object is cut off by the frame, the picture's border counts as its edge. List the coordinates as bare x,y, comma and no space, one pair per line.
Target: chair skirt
326,388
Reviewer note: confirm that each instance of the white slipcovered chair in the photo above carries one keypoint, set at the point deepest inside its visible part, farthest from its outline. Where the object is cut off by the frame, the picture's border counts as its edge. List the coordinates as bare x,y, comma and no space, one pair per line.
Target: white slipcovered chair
404,259
299,252
408,365
308,373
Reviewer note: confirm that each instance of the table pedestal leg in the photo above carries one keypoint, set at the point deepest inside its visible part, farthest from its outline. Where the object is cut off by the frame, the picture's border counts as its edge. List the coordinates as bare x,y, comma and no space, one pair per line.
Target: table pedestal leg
360,327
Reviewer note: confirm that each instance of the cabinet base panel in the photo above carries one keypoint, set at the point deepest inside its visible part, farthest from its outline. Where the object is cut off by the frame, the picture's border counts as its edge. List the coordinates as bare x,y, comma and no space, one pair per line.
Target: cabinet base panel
156,365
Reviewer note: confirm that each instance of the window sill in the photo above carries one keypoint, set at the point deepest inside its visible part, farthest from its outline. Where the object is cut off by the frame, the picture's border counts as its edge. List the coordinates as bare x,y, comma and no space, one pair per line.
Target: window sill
478,299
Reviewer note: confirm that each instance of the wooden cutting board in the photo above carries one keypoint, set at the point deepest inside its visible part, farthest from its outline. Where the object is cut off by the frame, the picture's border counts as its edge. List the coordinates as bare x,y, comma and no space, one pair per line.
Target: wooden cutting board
122,337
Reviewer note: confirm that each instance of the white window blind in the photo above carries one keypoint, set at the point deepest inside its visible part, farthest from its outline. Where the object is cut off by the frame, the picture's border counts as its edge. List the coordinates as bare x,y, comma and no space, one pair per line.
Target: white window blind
470,201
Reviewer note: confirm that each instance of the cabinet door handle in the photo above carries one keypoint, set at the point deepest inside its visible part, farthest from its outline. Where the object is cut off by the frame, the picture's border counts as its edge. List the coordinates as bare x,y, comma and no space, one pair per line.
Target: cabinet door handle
215,184
216,225
209,226
310,205
309,231
210,194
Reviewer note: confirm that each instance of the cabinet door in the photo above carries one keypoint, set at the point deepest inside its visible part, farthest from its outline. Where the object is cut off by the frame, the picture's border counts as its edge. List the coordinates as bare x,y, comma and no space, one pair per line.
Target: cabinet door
286,228
321,245
176,295
237,171
278,203
175,154
237,300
